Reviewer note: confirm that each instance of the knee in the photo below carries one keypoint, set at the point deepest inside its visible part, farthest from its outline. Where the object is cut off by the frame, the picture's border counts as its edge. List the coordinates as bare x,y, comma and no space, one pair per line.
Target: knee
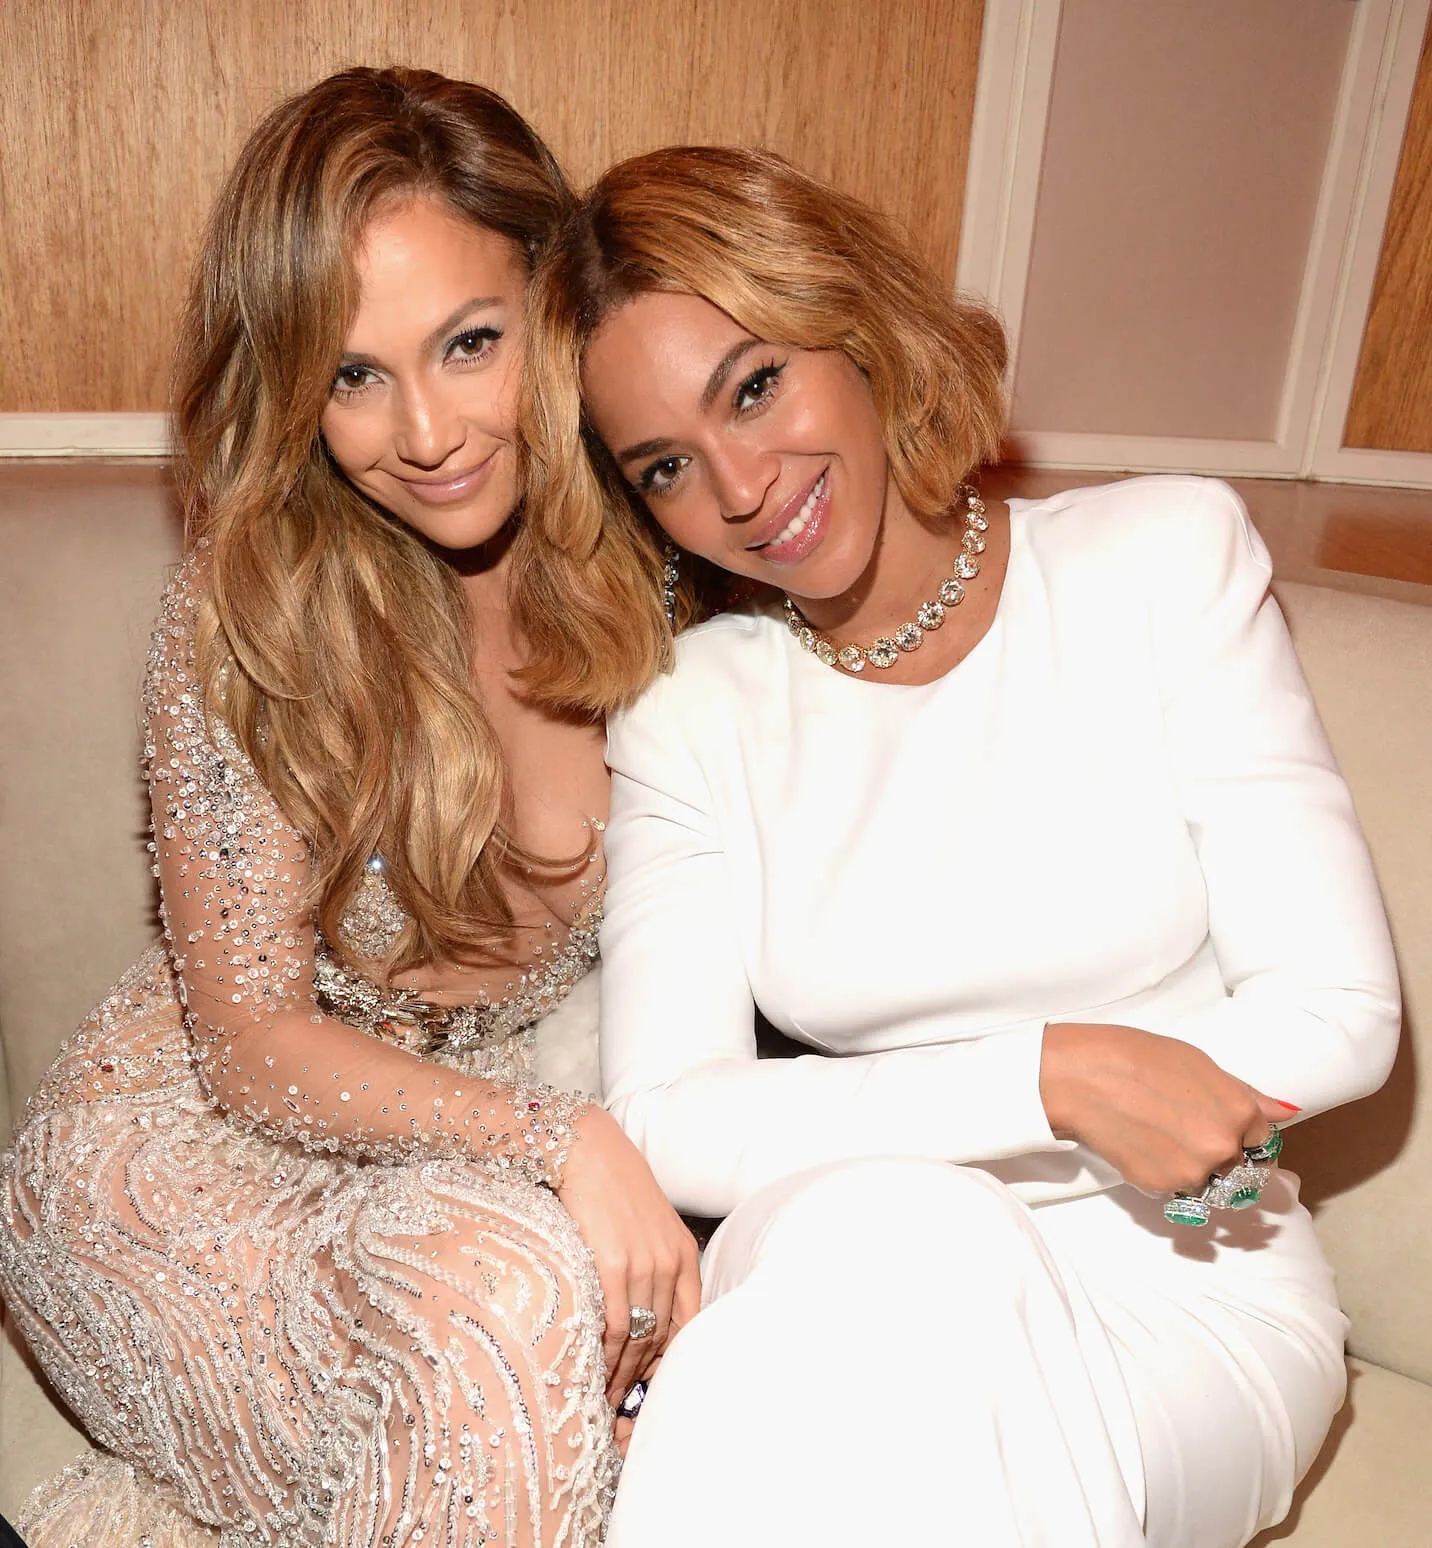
513,1290
876,1223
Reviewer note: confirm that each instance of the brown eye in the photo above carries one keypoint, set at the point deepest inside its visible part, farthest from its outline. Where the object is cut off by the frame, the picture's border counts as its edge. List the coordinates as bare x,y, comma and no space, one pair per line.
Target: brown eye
661,475
757,388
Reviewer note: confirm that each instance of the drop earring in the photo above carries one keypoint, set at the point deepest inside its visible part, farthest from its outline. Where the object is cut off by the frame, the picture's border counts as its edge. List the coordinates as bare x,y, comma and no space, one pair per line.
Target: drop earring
670,575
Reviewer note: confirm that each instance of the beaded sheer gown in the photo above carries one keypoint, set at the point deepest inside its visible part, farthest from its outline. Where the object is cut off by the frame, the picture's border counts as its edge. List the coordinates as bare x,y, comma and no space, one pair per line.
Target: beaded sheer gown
283,1237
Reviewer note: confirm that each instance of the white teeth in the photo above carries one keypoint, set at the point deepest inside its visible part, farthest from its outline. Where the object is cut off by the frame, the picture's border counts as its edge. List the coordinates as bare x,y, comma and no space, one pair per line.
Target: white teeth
797,523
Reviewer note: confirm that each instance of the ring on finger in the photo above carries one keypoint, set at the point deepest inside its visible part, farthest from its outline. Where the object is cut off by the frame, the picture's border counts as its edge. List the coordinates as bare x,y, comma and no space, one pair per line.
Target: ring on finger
641,1323
630,1405
1269,1150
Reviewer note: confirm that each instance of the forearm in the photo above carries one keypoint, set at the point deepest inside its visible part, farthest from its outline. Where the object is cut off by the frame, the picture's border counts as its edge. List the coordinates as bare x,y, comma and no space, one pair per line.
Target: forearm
718,1131
1327,1047
321,1084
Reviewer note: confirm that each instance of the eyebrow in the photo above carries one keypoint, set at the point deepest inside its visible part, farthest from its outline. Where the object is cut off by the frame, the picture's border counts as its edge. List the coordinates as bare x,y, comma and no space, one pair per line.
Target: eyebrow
437,336
714,383
717,380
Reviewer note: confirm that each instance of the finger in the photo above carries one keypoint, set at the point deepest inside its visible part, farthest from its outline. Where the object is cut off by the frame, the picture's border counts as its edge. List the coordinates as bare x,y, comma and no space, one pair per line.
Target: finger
686,1299
1275,1110
614,1338
621,1433
639,1291
663,1302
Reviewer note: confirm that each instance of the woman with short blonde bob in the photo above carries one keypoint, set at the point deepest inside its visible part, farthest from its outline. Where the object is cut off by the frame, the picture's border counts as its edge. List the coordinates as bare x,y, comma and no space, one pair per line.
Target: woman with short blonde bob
1018,822
309,1222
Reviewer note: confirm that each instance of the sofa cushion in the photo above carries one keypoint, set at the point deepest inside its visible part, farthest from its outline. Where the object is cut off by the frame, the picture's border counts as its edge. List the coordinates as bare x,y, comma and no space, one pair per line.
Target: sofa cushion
1365,1166
1371,1484
83,558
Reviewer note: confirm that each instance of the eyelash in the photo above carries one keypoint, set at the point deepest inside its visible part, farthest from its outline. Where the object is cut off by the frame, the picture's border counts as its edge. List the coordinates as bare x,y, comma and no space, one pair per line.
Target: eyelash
767,376
478,340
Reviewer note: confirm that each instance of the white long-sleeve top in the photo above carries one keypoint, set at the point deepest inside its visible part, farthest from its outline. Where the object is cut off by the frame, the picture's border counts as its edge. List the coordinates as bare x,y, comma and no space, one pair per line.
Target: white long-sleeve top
1120,807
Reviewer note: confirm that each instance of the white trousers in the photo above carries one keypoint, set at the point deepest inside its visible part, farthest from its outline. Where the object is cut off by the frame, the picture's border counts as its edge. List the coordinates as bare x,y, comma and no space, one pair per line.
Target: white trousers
900,1352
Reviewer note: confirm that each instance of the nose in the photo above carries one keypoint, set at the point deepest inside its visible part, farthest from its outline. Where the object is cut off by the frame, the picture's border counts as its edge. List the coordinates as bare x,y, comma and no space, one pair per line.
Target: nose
741,475
428,428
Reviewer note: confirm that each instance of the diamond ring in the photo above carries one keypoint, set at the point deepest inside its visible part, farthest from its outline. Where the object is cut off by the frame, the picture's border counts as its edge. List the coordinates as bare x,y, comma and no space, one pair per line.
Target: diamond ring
1235,1189
641,1323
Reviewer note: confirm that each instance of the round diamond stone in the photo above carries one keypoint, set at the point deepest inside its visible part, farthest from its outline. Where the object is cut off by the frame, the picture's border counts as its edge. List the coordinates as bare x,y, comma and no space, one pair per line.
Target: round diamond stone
977,520
883,653
794,622
807,638
852,658
909,637
972,543
952,593
930,616
967,567
827,652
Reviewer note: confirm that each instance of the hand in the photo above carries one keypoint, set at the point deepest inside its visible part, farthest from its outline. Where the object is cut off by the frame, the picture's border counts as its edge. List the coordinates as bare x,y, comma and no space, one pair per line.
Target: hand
1160,1111
645,1256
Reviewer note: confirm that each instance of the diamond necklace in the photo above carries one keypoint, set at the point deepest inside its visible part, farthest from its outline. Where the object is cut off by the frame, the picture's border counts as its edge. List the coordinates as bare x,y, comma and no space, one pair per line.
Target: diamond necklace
885,652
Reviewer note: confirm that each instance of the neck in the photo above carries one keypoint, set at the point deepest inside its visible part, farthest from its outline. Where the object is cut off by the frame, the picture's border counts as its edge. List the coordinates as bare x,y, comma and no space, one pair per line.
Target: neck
484,570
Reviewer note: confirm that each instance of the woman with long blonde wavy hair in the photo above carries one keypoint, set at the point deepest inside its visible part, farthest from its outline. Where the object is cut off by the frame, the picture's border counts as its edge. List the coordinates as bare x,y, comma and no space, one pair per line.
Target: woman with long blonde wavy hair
311,1223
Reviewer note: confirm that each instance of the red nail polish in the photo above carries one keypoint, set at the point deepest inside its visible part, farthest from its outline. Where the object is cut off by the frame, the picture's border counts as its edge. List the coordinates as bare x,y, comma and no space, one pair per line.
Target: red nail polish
1292,1108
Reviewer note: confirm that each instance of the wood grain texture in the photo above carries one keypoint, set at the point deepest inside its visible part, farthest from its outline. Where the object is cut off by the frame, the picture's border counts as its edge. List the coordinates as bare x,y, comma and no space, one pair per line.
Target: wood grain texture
118,118
1391,407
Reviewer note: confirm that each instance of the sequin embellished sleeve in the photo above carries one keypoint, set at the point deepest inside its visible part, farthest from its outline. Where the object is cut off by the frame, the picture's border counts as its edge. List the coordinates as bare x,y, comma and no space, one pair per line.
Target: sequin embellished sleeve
234,880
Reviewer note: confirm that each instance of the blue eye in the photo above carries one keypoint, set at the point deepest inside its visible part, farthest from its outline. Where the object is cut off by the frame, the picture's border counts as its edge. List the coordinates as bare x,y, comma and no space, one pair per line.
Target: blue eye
758,388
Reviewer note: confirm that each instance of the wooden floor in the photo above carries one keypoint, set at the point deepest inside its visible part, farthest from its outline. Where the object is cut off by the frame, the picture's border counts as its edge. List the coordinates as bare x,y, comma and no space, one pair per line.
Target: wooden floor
1350,536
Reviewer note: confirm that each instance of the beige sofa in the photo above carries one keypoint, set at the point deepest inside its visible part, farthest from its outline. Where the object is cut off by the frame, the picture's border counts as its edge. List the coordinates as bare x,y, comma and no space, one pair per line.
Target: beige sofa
82,556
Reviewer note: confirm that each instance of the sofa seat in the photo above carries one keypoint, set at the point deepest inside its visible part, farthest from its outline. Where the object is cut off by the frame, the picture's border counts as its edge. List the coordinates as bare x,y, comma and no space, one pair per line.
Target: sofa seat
83,554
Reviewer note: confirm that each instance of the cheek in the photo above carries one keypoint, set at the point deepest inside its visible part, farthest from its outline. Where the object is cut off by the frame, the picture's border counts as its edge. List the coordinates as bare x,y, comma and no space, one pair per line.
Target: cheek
354,438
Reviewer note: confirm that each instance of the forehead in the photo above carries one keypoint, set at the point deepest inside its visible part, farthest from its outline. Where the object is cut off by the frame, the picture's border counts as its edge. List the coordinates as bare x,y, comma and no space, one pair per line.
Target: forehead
421,242
666,334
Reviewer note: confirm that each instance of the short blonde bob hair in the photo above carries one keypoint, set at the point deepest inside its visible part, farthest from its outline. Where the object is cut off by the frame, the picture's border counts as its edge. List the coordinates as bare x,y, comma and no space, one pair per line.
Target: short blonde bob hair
792,261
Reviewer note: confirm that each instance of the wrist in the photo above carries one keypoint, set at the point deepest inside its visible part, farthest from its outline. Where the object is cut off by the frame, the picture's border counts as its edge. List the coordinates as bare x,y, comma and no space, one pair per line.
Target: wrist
1060,1040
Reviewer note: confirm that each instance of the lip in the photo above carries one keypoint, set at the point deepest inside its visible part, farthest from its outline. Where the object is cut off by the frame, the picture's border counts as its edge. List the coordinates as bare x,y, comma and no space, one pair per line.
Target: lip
808,538
446,491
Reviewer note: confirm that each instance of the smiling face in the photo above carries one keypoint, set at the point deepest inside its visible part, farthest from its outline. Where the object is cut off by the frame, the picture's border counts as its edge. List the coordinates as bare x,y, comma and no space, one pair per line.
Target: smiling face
422,416
766,460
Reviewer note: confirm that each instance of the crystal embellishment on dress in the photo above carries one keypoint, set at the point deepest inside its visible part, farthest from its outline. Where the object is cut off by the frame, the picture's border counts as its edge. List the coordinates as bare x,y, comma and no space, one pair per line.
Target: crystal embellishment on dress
373,920
478,1037
907,637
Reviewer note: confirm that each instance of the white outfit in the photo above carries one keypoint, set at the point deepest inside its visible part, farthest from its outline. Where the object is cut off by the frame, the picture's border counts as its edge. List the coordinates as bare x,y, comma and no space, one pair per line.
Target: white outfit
1119,807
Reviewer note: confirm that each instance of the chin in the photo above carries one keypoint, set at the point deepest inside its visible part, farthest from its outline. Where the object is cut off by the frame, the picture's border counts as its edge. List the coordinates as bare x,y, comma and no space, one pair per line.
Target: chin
457,531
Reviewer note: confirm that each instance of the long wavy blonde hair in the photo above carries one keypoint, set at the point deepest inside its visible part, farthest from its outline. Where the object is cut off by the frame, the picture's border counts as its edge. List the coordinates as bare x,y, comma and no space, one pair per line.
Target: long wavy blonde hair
331,639
794,262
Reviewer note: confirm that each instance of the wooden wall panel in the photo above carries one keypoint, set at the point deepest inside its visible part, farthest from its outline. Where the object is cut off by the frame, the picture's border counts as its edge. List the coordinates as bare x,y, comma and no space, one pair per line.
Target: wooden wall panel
118,117
1391,408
